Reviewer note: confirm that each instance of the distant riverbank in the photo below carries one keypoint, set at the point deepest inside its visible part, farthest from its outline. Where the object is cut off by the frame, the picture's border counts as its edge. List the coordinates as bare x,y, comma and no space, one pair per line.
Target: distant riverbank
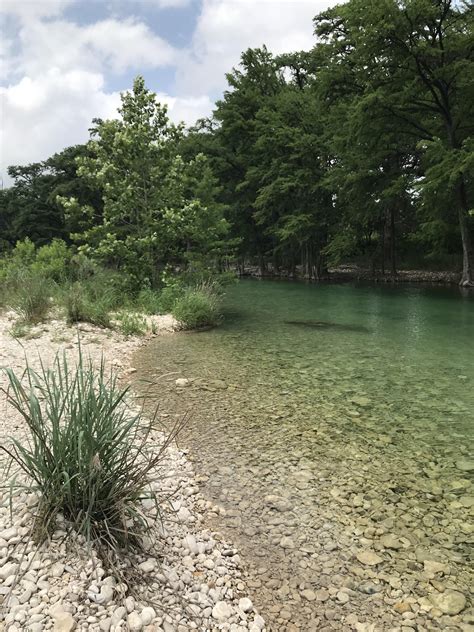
355,273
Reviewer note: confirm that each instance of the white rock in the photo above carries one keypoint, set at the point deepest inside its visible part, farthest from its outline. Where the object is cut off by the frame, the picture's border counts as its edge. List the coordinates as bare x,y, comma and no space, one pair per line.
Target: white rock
134,621
147,615
148,566
57,569
182,381
8,534
8,569
63,622
119,614
245,604
183,514
222,611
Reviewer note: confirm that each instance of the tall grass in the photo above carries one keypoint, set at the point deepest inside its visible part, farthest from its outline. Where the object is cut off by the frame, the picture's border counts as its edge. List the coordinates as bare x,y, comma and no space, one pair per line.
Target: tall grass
198,307
29,294
90,458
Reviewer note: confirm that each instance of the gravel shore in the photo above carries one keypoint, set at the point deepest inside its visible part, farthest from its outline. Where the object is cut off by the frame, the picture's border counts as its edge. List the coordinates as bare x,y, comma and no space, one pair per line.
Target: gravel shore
194,581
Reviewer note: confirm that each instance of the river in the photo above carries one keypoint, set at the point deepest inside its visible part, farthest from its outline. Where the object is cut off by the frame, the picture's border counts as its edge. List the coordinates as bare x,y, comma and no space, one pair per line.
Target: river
332,427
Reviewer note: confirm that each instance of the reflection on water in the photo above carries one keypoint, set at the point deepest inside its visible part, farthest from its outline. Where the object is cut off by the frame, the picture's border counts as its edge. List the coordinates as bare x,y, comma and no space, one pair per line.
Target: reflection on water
333,423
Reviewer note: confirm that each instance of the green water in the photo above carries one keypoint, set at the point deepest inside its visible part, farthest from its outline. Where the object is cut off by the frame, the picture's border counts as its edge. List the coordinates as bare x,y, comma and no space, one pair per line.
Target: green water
354,405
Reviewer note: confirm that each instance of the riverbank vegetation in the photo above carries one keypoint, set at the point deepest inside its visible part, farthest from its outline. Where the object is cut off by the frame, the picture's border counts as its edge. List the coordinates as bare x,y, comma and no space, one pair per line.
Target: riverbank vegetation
359,150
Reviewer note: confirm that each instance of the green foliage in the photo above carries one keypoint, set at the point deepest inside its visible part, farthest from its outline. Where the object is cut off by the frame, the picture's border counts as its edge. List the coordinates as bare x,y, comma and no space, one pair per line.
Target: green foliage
157,207
132,324
82,306
148,301
90,458
198,307
52,261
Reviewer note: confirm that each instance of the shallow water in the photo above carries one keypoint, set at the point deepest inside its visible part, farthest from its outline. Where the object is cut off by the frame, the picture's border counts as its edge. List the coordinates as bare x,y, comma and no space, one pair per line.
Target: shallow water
330,421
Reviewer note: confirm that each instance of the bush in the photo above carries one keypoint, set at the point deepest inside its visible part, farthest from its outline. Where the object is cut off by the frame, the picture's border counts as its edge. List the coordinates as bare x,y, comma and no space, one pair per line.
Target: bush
149,301
132,324
198,307
90,459
30,296
80,307
52,261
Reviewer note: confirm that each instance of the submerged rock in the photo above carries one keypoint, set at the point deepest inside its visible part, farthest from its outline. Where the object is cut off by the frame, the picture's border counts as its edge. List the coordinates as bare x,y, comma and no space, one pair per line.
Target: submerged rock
449,602
369,558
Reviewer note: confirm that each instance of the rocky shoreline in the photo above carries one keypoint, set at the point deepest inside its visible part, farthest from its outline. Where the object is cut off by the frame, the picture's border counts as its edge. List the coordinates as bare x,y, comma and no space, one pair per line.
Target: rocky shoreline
193,581
351,273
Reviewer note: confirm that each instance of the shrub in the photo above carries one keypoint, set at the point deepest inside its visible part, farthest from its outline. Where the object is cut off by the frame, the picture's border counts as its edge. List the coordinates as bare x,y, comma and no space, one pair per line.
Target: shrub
80,307
168,297
198,307
132,324
90,458
30,296
52,261
148,301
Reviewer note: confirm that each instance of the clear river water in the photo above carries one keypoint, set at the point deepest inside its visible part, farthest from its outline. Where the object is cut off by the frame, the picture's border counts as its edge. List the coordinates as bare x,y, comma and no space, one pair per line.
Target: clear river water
332,431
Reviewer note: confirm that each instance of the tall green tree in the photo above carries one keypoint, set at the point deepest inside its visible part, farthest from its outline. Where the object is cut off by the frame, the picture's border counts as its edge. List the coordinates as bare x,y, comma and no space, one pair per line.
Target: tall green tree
156,207
417,57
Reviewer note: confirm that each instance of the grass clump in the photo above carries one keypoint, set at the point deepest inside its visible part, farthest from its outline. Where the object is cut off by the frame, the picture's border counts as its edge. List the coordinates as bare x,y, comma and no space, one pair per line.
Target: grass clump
30,296
90,458
80,307
132,324
198,307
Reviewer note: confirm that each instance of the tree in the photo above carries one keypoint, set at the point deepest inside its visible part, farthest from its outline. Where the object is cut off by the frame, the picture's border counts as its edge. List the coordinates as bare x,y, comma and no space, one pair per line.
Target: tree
154,212
418,60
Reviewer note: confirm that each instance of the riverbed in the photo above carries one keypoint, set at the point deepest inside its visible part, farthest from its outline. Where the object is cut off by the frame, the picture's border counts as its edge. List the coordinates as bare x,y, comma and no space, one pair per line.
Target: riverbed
332,429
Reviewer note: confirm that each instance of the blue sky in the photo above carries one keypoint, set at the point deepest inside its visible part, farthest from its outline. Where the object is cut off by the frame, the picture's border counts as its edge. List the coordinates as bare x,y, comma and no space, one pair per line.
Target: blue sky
64,62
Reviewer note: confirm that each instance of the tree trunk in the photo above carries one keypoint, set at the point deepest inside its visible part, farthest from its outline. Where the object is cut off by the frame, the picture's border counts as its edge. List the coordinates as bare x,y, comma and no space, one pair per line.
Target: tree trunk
467,278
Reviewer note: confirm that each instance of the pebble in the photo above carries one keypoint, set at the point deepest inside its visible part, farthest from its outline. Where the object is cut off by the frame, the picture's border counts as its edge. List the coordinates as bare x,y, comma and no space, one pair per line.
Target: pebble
222,611
369,558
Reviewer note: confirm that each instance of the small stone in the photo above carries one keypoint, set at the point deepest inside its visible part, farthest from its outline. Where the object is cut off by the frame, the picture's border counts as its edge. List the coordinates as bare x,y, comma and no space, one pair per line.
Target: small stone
308,594
105,624
134,621
222,611
182,382
8,569
8,534
401,607
148,566
147,615
57,569
119,614
369,558
63,622
287,543
465,465
245,604
449,602
258,622
342,597
390,541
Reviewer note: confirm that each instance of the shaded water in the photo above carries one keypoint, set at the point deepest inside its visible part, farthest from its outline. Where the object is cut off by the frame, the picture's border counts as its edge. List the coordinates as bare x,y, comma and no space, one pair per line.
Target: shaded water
331,424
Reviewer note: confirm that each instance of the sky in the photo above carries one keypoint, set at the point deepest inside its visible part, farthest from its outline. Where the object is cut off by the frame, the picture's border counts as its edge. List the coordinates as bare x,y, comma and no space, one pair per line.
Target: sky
65,62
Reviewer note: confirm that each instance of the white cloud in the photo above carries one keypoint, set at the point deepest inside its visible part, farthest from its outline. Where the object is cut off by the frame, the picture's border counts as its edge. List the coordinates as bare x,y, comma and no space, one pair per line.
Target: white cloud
170,4
43,114
31,9
56,70
116,45
187,109
227,27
